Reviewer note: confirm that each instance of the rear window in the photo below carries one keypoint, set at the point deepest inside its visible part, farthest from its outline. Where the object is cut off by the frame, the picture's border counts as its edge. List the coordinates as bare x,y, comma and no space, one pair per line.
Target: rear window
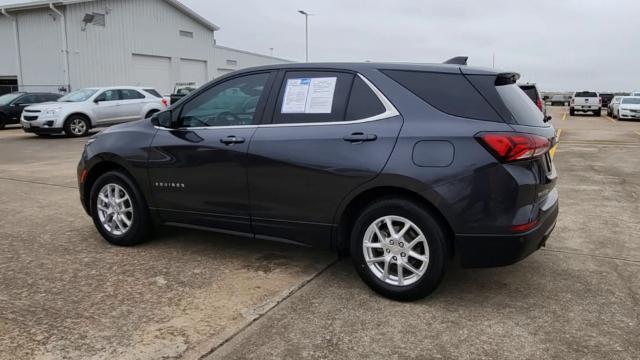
631,100
586,94
531,92
449,93
153,92
524,111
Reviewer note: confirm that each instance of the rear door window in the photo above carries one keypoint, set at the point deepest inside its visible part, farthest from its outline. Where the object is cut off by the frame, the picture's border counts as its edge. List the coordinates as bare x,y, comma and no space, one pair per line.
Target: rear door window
312,97
449,93
524,111
130,94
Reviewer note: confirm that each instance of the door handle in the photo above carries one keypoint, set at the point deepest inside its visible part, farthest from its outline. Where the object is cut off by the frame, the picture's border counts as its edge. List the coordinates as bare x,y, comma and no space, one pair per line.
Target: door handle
360,137
232,139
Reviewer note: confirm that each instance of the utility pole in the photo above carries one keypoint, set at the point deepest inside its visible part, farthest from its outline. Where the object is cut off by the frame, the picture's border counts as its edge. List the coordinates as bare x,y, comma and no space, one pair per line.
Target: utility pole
306,33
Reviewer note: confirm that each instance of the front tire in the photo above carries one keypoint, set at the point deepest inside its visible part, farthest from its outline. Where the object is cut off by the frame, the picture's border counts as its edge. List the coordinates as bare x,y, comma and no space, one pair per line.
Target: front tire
399,249
76,126
119,210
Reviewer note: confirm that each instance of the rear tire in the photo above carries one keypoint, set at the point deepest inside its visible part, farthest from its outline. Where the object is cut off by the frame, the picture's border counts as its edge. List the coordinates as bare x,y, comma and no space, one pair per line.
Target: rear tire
572,112
3,121
597,113
76,126
410,266
119,210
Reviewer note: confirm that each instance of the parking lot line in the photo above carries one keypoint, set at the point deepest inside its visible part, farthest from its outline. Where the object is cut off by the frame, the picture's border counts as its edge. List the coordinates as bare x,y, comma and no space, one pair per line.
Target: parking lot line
552,152
610,118
564,116
637,132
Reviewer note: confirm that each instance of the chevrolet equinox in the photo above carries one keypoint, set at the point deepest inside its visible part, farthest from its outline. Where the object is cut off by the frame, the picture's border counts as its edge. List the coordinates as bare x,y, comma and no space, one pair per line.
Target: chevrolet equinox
404,167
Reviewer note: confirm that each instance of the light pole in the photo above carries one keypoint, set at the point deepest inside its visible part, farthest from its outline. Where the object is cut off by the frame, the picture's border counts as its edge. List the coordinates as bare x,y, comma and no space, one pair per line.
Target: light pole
306,33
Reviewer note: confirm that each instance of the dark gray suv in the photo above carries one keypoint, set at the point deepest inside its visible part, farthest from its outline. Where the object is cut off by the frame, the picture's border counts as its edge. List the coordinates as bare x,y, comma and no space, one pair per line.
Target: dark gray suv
405,167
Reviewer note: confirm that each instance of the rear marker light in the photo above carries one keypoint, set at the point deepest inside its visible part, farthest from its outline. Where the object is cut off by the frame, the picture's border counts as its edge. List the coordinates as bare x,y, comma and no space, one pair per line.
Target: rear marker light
508,147
524,227
539,104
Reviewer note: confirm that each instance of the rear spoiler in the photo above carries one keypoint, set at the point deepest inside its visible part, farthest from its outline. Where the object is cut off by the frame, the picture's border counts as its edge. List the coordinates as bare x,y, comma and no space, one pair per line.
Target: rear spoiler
458,60
507,78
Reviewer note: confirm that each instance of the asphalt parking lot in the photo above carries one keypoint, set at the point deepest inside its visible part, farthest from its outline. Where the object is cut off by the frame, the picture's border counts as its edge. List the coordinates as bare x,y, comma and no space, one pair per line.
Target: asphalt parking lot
65,293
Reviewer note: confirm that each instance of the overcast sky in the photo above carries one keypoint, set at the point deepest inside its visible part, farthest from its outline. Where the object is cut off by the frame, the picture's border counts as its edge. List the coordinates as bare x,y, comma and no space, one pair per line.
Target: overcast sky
560,44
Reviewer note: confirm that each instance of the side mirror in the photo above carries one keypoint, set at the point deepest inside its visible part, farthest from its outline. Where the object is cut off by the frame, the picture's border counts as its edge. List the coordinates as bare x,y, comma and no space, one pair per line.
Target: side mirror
96,100
162,119
547,118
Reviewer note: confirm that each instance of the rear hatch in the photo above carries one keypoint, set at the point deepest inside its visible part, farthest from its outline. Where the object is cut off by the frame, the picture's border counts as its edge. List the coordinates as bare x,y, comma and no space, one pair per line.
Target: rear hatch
586,98
517,109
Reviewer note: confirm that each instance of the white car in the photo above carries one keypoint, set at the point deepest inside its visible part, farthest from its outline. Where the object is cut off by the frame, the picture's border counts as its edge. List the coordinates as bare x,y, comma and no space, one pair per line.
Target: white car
612,109
635,93
628,109
77,112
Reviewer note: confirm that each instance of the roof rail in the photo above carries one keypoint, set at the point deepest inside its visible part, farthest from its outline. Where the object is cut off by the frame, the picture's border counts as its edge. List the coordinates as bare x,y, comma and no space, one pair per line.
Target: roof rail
458,60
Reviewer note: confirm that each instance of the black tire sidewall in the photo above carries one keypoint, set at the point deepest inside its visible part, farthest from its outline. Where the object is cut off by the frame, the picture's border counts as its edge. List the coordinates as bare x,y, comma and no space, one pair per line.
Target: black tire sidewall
67,126
140,223
432,230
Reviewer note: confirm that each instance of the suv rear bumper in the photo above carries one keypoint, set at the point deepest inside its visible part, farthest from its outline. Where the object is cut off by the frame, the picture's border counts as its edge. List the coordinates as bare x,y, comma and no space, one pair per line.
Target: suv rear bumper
501,250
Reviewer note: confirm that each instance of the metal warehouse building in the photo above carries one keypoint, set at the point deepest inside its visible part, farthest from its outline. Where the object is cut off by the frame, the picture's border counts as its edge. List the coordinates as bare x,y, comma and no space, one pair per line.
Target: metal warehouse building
69,44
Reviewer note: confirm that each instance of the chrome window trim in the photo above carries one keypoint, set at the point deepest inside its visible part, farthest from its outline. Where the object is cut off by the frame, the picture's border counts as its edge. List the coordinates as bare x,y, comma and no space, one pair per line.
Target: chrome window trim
390,111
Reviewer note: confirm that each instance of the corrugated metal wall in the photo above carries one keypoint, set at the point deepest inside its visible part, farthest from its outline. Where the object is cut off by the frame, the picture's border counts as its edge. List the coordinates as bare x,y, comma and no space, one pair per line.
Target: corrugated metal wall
104,55
41,56
8,59
227,60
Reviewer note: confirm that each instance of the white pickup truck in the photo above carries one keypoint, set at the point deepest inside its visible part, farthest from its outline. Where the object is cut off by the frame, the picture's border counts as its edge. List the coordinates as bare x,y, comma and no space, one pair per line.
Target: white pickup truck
585,101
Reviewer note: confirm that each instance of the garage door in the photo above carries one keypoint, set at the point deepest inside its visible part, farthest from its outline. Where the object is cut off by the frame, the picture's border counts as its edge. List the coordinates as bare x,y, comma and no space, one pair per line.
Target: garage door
193,71
153,71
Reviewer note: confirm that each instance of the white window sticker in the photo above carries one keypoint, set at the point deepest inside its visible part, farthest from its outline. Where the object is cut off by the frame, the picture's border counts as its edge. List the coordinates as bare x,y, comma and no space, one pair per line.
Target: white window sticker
309,96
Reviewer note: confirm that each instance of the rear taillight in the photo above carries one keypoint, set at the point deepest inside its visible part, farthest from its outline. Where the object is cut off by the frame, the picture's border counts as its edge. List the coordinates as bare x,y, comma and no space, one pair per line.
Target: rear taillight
539,104
164,102
600,100
508,147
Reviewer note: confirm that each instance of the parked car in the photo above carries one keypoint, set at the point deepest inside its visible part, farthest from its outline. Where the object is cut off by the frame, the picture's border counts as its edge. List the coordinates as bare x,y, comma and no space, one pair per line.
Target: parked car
606,99
534,94
12,105
585,101
181,90
402,166
559,100
79,111
629,108
635,93
613,105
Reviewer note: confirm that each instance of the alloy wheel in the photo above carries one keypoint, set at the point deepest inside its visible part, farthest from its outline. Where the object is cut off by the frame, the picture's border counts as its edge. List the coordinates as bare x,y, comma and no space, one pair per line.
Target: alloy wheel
115,209
396,250
78,126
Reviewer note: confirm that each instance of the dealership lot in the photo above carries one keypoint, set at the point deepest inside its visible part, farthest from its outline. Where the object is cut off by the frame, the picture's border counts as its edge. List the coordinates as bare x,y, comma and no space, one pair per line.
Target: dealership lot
65,292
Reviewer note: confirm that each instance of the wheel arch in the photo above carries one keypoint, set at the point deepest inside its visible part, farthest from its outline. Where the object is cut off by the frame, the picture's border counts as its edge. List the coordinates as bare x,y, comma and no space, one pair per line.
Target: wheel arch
79,113
99,169
359,202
